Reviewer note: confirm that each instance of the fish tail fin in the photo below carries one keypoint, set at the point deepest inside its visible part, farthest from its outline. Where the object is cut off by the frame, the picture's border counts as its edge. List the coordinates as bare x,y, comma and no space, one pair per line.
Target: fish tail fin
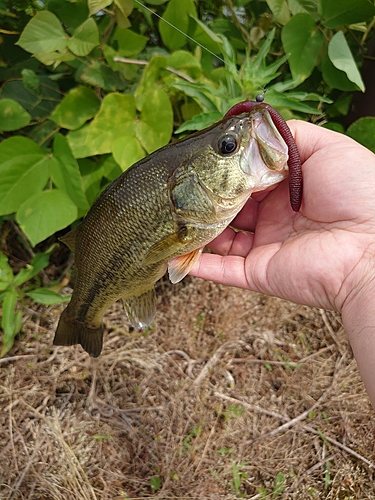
70,332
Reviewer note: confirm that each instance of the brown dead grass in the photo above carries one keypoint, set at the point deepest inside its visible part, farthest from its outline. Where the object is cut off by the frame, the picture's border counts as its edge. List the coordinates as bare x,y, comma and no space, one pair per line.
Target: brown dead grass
228,392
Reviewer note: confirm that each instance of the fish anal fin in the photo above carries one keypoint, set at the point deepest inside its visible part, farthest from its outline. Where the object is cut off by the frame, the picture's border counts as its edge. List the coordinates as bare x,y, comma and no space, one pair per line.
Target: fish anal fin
179,267
141,309
70,332
69,239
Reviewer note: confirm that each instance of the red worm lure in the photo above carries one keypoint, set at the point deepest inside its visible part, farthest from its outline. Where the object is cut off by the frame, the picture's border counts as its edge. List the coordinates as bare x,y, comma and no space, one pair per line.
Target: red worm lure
294,161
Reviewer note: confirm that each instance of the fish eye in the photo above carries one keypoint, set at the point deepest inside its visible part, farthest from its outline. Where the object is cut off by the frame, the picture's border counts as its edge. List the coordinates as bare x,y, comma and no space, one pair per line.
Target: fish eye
227,144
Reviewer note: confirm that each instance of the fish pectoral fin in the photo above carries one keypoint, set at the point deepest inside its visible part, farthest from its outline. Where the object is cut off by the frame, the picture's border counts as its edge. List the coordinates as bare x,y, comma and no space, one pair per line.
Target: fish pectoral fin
70,238
141,309
164,249
179,267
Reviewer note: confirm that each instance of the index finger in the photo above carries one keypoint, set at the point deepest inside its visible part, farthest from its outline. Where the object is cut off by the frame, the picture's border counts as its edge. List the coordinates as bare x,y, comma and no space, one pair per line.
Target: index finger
311,138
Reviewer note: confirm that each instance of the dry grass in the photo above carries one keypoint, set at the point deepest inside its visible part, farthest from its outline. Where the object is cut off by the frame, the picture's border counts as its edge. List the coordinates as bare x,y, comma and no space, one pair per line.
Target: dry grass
229,394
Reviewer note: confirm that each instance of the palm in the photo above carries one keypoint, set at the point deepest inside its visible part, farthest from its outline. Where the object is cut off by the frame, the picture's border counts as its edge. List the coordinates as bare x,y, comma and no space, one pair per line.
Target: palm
306,257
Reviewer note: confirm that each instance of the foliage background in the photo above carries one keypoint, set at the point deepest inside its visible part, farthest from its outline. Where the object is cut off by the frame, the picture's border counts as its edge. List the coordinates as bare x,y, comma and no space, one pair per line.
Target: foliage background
90,87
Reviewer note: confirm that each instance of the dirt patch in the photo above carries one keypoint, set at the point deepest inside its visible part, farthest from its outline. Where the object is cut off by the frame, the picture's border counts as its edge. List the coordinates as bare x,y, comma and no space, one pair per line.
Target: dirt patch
229,394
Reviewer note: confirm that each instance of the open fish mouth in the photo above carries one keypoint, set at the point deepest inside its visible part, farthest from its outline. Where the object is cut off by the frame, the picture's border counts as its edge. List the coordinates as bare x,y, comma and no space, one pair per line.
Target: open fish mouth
266,152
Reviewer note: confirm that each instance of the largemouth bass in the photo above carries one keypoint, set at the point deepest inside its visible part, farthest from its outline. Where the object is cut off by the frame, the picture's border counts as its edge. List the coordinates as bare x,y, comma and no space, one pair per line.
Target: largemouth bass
159,214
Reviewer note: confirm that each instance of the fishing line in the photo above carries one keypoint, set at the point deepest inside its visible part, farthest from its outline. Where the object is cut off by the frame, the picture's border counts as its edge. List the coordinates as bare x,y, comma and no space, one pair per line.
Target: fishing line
180,31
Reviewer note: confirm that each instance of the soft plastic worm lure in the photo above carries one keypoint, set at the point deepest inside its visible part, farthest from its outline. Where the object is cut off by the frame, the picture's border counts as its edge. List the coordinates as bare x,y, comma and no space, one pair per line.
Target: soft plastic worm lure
294,162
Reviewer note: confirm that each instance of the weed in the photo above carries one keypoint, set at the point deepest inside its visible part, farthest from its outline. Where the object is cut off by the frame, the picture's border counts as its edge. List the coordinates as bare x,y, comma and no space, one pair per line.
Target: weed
279,485
195,432
14,288
155,483
327,475
232,411
238,477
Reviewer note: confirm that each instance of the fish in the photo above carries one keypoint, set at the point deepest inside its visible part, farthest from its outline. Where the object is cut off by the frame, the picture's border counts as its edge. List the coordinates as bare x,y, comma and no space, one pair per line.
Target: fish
160,214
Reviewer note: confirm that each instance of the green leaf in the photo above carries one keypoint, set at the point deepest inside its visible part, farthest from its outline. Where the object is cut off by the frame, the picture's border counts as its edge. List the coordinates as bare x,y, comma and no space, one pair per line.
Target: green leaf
96,5
283,100
8,337
71,14
176,20
125,6
43,133
45,213
208,98
296,8
338,13
65,173
6,273
280,10
41,259
303,41
7,321
39,262
31,80
39,104
49,58
342,58
256,73
334,77
24,171
78,142
12,115
206,37
130,44
100,75
186,63
47,297
78,106
110,168
311,6
309,96
363,131
151,75
127,151
43,34
200,122
115,119
127,70
85,38
92,174
156,122
122,20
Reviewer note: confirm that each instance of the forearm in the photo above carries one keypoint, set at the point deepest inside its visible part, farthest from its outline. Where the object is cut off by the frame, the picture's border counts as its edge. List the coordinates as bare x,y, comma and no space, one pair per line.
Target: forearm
358,317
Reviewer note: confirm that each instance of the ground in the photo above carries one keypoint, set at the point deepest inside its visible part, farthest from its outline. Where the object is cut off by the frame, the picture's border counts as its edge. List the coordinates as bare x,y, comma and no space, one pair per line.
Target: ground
230,394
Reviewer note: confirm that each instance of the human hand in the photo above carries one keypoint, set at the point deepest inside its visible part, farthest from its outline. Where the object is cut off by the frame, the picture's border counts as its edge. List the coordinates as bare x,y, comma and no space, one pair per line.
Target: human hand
322,256
319,256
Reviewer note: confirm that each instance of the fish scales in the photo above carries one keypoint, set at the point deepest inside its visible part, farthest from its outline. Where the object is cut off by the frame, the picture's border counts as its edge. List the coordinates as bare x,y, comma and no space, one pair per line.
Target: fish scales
160,213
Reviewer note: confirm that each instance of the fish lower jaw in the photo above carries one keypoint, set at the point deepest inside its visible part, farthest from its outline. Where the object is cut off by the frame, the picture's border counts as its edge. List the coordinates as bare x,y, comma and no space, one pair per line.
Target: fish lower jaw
268,179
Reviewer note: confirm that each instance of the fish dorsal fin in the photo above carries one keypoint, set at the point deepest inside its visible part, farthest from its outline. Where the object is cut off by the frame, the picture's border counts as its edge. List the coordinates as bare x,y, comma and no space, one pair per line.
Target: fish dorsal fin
70,238
166,248
179,267
141,309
